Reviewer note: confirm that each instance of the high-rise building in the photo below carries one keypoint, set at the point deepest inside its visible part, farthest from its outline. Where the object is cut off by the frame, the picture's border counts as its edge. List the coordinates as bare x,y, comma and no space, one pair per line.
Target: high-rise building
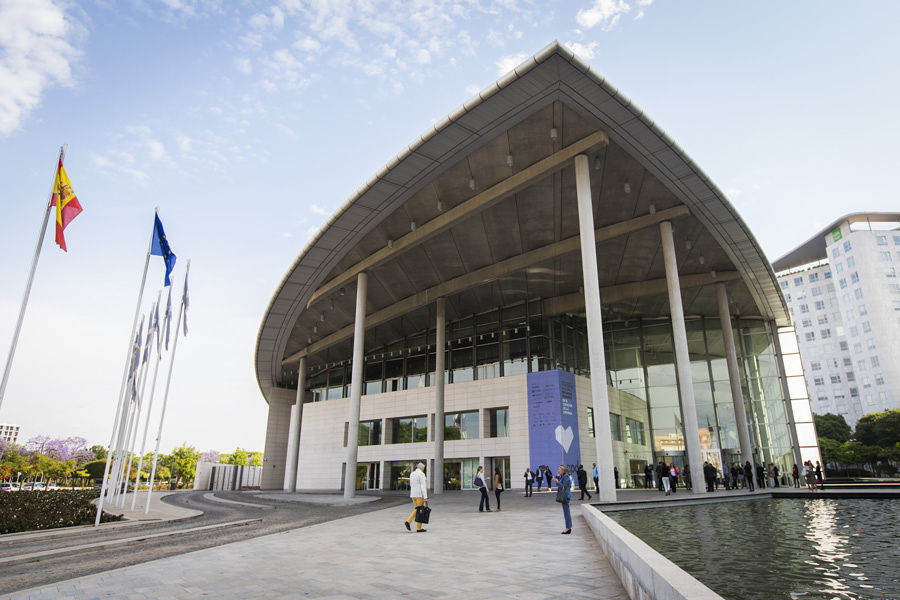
844,297
9,433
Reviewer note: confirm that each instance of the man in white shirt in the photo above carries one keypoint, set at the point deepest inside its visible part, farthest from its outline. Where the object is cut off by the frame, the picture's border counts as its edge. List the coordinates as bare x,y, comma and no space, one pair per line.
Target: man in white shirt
418,492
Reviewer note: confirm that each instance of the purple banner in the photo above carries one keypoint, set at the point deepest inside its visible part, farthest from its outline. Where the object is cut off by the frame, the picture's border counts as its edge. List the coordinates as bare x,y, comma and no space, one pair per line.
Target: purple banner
552,420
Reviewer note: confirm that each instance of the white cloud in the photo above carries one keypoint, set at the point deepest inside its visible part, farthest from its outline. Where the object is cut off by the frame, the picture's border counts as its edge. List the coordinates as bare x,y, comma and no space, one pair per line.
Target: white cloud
472,89
585,51
315,208
243,65
37,50
605,13
509,62
307,44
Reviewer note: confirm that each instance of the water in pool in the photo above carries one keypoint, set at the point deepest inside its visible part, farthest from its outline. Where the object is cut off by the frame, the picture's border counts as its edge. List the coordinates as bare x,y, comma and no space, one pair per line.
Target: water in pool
780,548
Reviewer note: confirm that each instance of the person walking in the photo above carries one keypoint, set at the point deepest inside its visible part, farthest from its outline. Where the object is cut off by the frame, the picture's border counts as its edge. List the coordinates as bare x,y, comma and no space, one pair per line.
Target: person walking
564,495
418,492
709,474
673,475
615,477
540,477
498,486
809,475
726,473
582,482
648,476
748,475
529,482
485,503
795,475
662,473
548,475
596,475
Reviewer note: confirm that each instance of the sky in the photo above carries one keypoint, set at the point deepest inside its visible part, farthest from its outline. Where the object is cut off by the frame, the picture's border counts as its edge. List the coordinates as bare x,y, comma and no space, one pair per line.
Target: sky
249,123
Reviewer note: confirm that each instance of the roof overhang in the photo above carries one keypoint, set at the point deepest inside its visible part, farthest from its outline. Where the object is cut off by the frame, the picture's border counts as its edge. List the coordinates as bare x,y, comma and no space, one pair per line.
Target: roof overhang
552,75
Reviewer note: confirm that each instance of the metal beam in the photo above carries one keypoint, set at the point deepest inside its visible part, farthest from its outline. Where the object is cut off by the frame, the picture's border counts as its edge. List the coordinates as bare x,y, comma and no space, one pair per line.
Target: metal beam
517,263
459,213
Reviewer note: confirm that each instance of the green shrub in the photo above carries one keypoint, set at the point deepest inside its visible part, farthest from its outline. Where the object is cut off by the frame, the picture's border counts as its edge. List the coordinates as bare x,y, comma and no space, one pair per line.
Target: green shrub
28,511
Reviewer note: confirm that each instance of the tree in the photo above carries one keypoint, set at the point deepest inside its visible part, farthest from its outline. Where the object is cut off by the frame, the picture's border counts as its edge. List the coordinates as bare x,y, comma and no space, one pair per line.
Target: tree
95,468
99,452
185,460
210,456
833,427
256,459
880,429
239,457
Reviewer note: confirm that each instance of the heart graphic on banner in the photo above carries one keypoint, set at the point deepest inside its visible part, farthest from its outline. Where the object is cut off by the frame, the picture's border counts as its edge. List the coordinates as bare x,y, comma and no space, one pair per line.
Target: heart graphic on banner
564,436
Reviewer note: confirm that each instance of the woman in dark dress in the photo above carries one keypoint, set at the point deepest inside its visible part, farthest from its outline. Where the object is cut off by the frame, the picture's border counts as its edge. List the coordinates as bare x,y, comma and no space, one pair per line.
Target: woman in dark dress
498,486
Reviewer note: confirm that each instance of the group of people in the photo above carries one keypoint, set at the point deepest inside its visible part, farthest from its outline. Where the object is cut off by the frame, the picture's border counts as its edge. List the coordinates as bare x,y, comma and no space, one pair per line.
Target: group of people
531,477
812,476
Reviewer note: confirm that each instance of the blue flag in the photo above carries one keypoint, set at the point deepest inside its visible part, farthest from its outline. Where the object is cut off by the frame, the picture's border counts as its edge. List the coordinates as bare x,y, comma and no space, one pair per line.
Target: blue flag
160,247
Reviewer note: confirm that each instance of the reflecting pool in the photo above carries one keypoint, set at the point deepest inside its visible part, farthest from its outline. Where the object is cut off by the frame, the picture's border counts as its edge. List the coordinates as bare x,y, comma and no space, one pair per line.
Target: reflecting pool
780,548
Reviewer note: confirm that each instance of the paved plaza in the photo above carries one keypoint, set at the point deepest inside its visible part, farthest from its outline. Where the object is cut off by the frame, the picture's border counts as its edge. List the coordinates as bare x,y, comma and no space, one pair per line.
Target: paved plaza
516,553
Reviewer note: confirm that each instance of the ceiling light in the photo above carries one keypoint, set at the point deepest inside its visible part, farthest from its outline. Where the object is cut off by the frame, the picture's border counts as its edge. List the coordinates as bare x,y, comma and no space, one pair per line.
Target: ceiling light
440,206
627,187
509,160
597,163
471,183
554,134
713,274
342,291
331,305
702,260
390,243
688,244
309,340
315,329
652,209
412,225
322,318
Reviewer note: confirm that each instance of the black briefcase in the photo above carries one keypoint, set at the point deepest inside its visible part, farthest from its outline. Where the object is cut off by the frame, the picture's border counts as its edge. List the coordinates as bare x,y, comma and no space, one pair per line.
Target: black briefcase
423,513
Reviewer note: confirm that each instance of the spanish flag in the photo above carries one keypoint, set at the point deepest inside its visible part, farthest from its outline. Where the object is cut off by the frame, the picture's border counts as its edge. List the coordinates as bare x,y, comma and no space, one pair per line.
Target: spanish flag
67,206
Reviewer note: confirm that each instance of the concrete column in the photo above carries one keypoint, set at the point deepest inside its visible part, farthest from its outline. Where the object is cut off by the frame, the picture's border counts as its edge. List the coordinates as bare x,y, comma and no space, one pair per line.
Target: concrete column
439,354
290,475
788,404
359,335
599,391
734,377
275,449
682,361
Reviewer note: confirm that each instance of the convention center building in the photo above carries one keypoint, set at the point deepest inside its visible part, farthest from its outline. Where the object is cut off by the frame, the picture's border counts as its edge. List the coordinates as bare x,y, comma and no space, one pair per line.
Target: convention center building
542,278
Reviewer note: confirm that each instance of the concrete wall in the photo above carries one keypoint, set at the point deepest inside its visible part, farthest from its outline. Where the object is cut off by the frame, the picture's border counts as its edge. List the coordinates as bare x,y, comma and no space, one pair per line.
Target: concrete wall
322,451
218,476
645,573
275,452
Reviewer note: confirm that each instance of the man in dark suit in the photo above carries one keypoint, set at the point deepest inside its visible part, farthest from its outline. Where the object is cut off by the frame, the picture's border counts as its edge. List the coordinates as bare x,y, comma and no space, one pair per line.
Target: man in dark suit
582,482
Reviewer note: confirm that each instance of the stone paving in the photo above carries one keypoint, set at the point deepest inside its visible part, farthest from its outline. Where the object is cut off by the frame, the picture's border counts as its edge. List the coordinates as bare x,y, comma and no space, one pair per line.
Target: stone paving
515,553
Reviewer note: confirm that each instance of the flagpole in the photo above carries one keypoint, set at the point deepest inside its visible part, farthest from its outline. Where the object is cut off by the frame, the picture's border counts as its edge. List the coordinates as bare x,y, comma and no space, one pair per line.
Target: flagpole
34,262
137,481
121,401
121,436
162,416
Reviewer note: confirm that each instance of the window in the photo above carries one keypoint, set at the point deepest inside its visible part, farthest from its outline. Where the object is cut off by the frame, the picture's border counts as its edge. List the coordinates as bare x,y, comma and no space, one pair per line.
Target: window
835,379
826,333
863,311
784,284
851,262
870,344
827,274
847,246
857,348
890,273
866,327
896,304
897,239
820,305
839,268
843,345
858,293
854,277
866,384
848,362
817,291
461,425
860,365
810,336
819,381
499,422
806,322
410,429
884,256
850,376
615,426
634,432
369,433
815,366
894,288
854,331
804,308
879,379
843,283
822,319
874,361
881,240
835,252
798,280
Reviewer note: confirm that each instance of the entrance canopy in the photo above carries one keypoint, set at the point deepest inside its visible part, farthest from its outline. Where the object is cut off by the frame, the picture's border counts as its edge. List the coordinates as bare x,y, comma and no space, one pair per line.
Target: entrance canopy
481,210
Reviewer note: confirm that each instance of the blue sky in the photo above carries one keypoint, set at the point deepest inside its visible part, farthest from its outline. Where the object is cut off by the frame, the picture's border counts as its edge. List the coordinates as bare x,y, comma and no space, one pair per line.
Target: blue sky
249,123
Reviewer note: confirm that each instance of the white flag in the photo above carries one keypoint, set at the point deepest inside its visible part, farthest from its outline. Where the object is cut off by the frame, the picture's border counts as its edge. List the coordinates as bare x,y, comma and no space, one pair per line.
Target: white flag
168,317
185,302
155,326
147,344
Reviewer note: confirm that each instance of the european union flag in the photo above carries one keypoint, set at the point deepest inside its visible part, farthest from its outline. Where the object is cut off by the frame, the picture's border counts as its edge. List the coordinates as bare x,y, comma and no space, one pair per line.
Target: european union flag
160,247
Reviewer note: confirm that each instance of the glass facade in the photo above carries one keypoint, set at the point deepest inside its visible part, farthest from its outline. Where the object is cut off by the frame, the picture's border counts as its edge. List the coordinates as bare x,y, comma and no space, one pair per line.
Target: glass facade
645,409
